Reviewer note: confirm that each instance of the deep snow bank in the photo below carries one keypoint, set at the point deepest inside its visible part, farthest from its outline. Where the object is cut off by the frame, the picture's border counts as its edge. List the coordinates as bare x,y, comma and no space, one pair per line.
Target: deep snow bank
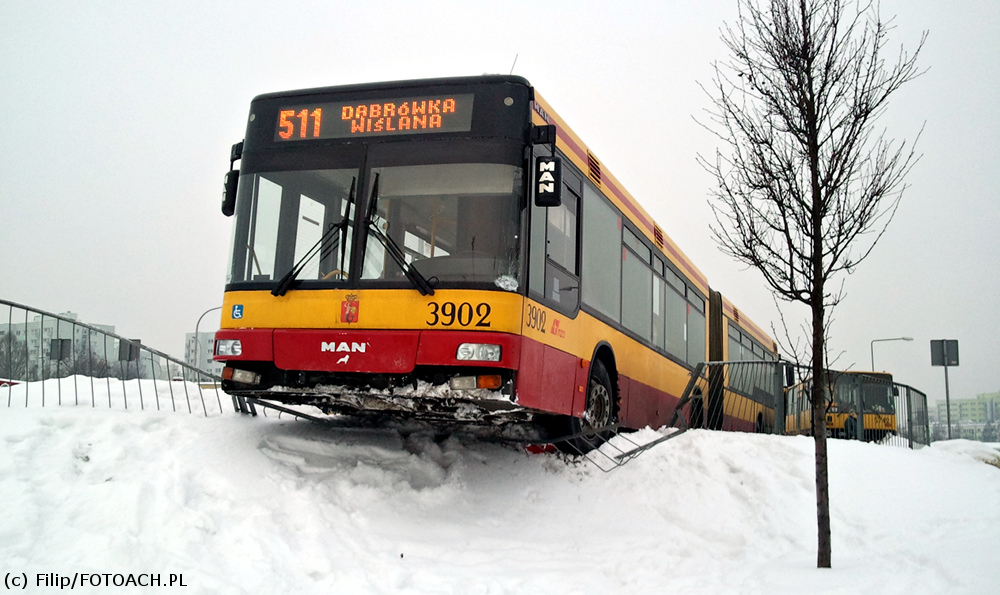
253,505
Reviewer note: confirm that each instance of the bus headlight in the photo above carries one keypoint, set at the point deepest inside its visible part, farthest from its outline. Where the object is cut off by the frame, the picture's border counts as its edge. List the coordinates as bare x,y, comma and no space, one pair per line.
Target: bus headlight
480,352
228,347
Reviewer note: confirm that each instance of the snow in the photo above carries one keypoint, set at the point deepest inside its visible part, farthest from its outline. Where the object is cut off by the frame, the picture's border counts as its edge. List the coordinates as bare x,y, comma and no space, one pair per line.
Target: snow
240,504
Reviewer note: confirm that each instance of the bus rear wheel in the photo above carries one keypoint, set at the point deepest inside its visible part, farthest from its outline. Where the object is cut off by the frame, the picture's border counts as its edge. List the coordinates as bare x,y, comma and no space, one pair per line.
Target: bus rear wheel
601,410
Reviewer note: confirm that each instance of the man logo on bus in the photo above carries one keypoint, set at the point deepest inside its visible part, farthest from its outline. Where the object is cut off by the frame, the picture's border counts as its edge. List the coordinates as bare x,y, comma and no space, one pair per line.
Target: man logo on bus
342,347
548,181
349,309
546,176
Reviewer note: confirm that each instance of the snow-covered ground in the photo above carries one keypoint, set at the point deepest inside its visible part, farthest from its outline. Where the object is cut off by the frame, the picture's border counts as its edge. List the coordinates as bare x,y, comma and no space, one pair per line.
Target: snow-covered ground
265,505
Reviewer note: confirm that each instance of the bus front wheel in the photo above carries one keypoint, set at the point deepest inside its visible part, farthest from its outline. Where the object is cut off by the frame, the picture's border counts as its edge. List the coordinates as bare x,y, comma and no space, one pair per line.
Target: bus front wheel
601,410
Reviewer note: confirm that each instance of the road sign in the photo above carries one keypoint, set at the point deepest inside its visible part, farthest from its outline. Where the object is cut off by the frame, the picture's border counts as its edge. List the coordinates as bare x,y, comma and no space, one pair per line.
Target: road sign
944,352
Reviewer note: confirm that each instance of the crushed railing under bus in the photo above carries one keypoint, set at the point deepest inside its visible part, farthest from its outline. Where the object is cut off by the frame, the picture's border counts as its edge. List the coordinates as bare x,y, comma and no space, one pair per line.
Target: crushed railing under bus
744,396
760,397
52,359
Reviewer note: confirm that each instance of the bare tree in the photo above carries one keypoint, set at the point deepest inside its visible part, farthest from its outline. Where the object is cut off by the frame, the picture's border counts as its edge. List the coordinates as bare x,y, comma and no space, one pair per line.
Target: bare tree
805,184
13,358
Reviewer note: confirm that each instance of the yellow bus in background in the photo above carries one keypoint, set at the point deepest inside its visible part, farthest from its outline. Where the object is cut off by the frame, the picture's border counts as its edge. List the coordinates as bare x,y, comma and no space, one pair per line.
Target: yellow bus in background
846,394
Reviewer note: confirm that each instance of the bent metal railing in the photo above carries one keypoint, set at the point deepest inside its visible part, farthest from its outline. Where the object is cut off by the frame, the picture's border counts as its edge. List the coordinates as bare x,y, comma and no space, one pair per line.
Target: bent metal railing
751,396
46,357
730,396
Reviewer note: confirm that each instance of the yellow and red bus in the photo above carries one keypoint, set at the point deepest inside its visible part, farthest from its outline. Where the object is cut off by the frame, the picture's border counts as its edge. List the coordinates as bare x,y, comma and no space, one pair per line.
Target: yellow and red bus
743,381
450,249
846,393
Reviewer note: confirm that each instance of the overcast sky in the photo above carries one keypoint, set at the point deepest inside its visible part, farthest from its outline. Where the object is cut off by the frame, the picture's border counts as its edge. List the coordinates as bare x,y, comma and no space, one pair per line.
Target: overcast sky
118,118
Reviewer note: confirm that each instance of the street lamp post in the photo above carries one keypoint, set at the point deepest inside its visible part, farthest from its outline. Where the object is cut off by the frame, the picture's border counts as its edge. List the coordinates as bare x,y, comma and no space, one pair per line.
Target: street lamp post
874,341
197,340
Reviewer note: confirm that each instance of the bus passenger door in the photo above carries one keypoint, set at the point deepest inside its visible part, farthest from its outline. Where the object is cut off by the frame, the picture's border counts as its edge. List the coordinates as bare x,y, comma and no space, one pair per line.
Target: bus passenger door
554,275
549,368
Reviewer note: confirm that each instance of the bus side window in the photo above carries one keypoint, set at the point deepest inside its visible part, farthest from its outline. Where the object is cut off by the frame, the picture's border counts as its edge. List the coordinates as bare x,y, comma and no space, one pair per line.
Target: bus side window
602,254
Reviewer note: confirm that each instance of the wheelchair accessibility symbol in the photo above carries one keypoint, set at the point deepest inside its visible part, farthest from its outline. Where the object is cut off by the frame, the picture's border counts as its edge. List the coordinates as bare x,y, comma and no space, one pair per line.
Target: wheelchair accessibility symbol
238,311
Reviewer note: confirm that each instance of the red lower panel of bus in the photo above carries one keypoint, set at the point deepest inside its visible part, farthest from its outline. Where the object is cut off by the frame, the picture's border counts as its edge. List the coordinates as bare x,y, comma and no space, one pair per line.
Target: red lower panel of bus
733,424
544,382
547,379
376,352
551,380
643,405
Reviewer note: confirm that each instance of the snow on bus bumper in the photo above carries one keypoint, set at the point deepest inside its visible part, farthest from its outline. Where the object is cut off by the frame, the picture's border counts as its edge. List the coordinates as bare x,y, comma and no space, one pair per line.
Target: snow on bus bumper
354,367
421,400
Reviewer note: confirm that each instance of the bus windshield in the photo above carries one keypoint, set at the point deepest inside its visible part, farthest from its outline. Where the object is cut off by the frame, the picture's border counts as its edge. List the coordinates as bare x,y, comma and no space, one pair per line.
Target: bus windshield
456,223
283,216
877,394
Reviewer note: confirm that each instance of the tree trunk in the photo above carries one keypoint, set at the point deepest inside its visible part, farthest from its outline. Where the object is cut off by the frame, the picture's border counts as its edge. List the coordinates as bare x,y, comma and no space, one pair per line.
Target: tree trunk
824,546
817,298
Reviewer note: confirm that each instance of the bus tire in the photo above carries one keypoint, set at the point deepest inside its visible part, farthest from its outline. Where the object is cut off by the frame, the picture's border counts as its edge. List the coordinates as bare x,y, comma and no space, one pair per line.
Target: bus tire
696,414
601,410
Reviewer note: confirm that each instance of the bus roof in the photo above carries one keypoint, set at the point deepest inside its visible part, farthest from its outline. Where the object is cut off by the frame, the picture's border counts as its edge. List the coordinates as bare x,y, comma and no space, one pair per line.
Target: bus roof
736,315
404,84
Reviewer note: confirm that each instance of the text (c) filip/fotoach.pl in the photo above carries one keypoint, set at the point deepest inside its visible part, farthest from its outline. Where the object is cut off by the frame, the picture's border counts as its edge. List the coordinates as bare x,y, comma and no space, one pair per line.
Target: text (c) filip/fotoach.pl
21,581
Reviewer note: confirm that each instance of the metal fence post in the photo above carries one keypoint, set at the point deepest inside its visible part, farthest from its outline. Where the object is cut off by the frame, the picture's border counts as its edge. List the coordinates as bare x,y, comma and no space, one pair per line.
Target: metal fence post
909,418
779,398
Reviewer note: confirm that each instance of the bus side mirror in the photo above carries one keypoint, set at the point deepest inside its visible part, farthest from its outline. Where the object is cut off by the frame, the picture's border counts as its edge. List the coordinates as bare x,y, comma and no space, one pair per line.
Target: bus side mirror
232,179
548,181
229,195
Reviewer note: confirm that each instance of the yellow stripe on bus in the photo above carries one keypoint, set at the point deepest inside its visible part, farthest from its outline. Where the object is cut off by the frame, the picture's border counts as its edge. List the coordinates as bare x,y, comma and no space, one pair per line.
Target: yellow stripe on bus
579,336
453,309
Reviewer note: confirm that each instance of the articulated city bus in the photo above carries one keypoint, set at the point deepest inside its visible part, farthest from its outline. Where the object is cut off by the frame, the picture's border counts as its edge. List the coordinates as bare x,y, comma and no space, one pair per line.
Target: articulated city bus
449,249
846,393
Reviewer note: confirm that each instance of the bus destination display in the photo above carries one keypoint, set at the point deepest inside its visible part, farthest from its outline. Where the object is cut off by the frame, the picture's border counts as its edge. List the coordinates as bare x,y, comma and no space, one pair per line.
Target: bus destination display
411,115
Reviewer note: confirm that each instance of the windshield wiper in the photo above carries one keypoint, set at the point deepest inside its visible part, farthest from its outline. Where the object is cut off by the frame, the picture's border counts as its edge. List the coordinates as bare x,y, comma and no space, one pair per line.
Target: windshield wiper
392,248
345,228
290,277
